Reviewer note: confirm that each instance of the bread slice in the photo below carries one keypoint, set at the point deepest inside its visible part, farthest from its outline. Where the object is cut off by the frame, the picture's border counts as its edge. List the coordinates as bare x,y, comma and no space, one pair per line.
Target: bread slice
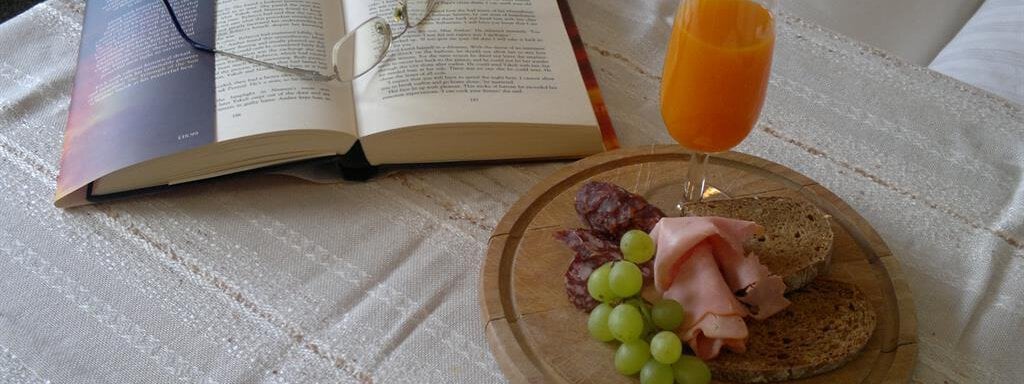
797,243
828,323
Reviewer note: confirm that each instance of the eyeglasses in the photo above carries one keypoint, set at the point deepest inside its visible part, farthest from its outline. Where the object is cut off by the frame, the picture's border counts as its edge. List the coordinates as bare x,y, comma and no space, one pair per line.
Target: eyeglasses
355,54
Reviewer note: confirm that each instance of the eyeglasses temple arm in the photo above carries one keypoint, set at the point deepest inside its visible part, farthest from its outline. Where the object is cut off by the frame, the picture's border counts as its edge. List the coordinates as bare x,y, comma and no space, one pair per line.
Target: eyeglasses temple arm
314,75
177,25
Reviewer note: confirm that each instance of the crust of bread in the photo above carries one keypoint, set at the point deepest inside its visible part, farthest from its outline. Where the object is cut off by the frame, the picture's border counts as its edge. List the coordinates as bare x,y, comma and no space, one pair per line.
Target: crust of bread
797,243
827,325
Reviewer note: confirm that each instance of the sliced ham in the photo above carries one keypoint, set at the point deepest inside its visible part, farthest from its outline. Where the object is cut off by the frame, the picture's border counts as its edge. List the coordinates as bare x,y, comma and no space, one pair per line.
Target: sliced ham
701,264
713,318
707,346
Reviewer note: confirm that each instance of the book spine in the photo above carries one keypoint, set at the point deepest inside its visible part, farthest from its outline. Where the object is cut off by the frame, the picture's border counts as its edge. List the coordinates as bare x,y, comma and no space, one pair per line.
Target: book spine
354,165
608,137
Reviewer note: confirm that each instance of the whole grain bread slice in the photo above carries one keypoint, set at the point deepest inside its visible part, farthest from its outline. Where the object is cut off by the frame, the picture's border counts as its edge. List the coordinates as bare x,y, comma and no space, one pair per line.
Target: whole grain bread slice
797,243
828,323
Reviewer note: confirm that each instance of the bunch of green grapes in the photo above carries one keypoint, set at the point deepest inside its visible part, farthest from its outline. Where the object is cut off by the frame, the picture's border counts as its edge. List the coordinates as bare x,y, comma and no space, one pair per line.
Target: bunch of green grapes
649,345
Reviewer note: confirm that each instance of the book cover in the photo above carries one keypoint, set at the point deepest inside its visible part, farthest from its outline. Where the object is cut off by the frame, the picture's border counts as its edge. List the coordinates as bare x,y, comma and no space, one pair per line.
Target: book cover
140,91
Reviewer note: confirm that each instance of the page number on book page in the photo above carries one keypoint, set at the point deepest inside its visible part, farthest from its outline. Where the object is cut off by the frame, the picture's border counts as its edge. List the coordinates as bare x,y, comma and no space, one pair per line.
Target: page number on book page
189,135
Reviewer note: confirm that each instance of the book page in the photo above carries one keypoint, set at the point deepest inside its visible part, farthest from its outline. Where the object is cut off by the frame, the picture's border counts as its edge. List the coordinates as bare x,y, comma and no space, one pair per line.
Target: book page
473,61
253,99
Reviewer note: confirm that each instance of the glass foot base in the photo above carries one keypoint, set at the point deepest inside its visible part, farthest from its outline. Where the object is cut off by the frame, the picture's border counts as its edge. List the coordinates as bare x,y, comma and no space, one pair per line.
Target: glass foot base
710,192
669,195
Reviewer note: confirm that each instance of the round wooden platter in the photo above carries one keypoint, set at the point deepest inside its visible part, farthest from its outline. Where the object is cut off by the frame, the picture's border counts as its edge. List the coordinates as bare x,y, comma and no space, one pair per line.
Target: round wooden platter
537,336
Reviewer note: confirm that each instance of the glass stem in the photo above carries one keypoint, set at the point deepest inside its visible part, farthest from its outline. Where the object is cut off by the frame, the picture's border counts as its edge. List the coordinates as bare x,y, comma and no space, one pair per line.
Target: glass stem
696,179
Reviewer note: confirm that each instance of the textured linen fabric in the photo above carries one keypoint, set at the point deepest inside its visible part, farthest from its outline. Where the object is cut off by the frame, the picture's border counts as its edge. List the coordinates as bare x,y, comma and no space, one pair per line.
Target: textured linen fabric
989,51
269,279
914,30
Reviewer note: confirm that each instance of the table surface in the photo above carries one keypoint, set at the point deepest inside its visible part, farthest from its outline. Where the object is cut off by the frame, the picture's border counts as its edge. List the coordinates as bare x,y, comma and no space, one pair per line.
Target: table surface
262,278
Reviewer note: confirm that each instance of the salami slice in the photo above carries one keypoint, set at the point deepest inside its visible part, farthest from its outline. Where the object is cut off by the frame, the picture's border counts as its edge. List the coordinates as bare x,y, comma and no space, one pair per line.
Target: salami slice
611,210
587,243
591,251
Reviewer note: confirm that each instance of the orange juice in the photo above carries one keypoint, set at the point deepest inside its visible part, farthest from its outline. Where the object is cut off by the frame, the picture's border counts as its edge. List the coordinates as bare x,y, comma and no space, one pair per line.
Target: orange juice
716,72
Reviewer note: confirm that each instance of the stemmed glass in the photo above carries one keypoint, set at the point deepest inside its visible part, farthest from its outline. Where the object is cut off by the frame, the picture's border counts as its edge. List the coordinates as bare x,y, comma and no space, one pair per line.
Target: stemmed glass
715,78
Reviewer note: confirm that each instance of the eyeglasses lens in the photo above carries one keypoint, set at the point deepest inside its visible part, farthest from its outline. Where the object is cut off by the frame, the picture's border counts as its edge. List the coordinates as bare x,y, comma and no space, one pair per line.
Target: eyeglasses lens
362,48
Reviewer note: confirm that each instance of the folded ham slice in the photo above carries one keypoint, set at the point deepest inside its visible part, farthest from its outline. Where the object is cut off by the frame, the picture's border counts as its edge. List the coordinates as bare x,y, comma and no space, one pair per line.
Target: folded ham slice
700,263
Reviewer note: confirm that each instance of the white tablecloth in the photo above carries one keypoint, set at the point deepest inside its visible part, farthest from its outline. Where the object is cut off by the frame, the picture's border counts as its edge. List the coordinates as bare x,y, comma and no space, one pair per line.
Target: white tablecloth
989,51
275,280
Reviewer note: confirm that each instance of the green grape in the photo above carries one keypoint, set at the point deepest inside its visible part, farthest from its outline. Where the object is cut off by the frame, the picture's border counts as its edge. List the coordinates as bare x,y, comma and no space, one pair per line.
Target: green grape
597,284
631,356
667,314
626,322
691,370
654,372
645,311
625,279
597,323
636,302
637,246
666,347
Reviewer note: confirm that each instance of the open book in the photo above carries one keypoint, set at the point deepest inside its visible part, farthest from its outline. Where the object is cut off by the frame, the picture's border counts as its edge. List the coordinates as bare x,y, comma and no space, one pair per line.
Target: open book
479,80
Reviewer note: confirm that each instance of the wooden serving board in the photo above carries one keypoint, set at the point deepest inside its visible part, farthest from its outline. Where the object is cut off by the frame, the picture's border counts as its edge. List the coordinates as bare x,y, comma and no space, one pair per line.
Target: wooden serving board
537,336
